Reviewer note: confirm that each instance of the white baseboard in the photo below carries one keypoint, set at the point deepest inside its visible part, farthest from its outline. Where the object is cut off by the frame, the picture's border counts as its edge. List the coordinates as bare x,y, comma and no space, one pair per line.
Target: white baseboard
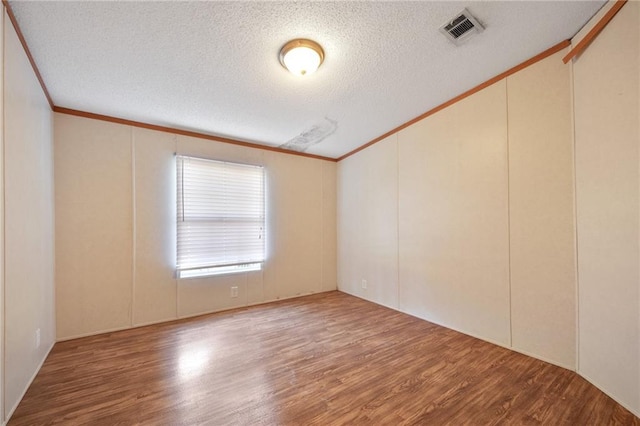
395,308
251,304
476,336
542,358
92,333
145,324
128,327
612,395
532,355
290,297
33,376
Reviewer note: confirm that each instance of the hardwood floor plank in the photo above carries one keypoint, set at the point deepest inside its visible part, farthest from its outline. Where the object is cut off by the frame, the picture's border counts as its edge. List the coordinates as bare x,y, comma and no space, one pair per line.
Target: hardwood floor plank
326,359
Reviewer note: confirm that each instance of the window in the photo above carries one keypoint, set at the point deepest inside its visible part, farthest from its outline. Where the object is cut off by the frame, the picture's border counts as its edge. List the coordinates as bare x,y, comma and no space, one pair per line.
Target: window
221,220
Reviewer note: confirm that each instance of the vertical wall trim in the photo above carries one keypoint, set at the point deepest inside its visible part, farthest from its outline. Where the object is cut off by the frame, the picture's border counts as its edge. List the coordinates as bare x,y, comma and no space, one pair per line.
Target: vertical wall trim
323,223
175,149
246,289
583,43
397,136
2,227
133,227
575,216
506,94
23,42
637,411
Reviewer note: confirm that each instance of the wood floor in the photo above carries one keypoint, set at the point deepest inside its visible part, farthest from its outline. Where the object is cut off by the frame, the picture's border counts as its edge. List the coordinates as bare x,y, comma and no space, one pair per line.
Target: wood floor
327,359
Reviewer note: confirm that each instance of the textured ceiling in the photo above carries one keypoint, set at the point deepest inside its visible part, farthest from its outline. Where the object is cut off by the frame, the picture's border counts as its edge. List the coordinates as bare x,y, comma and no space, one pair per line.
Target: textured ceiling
213,67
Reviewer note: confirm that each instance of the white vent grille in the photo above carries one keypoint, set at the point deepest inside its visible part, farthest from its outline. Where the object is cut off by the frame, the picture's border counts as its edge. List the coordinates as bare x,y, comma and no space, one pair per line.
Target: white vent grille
462,27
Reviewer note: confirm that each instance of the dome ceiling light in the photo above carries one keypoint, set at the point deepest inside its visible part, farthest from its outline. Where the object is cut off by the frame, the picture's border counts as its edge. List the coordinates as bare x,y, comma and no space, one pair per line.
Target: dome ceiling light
301,56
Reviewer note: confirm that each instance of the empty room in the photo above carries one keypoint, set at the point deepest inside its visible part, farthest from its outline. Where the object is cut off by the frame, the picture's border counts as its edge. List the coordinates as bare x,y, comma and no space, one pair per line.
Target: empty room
320,213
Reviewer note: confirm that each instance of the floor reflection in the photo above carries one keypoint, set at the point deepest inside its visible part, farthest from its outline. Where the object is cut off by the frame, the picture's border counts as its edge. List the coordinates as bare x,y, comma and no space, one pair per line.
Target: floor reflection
220,370
193,361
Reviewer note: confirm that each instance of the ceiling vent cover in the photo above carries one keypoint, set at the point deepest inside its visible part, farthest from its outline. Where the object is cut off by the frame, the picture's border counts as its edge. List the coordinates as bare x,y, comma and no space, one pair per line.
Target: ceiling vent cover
462,27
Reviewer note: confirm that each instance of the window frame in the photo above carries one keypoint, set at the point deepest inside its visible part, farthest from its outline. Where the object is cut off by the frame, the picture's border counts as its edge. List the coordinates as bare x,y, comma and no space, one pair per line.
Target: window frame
218,268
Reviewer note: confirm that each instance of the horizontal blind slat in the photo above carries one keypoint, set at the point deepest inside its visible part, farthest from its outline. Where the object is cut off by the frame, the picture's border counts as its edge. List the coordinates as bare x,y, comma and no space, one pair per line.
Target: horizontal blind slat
221,217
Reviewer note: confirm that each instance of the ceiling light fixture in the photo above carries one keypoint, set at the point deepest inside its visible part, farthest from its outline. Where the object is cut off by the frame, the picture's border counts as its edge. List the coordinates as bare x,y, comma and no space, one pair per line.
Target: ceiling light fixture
301,56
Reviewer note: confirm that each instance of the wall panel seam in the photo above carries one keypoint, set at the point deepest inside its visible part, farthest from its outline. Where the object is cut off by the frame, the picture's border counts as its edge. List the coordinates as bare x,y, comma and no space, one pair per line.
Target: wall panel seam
3,275
133,228
506,93
397,135
323,220
575,218
177,281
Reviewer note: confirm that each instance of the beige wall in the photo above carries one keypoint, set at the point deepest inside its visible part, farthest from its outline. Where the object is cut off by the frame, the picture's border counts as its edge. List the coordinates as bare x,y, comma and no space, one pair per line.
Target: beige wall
368,223
607,138
115,227
154,292
453,217
466,217
28,223
541,213
93,227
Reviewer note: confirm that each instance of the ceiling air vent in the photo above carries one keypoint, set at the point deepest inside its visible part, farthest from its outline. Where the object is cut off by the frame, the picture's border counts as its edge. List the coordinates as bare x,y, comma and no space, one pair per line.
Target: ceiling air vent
462,27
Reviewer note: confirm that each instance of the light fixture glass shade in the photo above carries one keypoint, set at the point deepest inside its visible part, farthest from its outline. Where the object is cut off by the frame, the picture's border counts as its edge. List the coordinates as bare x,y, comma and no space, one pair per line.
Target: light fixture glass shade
301,56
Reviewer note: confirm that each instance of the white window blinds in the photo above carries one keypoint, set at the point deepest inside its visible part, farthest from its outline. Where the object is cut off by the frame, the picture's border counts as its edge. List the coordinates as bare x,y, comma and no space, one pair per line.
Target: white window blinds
221,217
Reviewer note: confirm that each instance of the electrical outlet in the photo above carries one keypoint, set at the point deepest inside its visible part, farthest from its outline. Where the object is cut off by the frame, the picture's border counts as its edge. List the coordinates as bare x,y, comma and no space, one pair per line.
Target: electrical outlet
364,284
37,338
234,291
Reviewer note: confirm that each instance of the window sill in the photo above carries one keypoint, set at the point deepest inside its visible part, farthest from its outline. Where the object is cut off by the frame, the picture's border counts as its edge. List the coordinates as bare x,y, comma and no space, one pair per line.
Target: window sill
218,270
